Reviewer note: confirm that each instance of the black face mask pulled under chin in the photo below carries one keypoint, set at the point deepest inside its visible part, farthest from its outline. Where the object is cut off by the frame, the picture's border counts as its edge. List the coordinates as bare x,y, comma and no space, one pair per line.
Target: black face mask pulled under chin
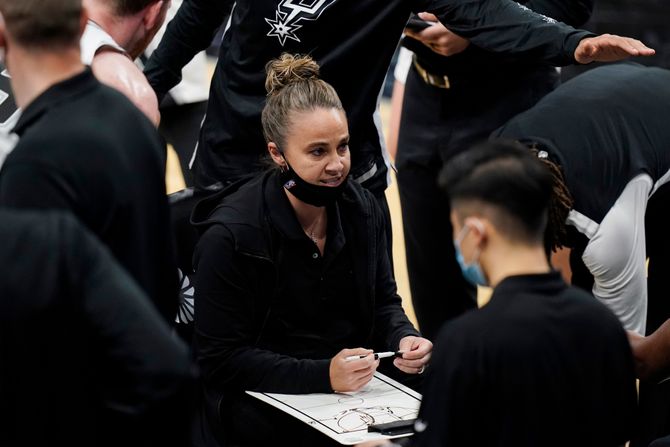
312,194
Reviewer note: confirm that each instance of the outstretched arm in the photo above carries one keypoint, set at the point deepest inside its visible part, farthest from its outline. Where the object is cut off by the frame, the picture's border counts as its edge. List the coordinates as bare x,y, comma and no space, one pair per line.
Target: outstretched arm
506,27
444,42
652,353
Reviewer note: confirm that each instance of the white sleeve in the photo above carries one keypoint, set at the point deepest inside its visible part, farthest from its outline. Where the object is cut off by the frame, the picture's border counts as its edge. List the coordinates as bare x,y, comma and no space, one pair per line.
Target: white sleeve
616,256
403,65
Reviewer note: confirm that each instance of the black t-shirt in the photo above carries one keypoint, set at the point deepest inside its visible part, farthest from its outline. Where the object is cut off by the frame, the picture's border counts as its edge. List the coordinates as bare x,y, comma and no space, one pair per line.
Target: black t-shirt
603,127
542,364
352,40
85,148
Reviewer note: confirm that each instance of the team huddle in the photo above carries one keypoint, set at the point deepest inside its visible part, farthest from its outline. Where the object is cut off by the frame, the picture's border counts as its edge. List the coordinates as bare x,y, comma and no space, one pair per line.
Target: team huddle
146,318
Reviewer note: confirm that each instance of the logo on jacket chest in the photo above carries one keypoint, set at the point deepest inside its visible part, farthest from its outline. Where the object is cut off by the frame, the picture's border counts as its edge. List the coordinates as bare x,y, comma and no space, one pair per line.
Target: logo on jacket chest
289,15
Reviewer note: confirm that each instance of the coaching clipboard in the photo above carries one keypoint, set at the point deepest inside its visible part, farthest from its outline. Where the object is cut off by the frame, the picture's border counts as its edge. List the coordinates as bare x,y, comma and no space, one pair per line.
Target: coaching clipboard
345,417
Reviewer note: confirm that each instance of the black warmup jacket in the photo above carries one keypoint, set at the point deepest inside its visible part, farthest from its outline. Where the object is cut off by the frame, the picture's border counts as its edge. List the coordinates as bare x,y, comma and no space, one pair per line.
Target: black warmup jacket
85,359
476,66
86,149
244,338
352,40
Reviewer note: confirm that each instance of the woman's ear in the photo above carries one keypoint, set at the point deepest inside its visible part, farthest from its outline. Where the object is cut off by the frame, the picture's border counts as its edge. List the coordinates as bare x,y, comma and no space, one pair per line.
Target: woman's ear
276,154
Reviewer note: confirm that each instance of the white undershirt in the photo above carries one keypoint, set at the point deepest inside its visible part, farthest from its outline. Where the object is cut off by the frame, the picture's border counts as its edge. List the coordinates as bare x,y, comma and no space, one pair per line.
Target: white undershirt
616,252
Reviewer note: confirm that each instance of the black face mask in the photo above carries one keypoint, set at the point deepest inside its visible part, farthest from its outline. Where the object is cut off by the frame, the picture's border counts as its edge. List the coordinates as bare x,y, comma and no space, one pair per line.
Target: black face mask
312,194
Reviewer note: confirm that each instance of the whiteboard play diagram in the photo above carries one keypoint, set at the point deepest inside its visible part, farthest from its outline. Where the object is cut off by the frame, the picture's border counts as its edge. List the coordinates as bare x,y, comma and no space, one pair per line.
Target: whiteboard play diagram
345,417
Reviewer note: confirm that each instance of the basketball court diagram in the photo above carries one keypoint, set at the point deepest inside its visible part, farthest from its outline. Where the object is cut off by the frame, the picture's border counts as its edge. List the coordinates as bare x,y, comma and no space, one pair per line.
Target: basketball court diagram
345,417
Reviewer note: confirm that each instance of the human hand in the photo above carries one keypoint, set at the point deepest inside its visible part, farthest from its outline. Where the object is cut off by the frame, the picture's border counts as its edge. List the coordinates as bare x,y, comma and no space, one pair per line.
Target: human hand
377,443
610,48
438,38
416,354
352,375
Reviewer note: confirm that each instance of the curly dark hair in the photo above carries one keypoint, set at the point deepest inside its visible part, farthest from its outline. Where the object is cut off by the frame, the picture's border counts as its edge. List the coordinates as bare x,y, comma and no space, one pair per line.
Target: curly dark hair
561,201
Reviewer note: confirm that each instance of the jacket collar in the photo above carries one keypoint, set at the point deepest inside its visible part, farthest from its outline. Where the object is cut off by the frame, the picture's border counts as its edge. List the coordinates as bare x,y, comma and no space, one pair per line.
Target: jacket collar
63,91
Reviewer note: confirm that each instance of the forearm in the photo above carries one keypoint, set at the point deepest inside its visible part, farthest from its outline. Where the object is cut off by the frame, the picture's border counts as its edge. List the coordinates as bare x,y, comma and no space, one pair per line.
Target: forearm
250,368
571,12
190,32
505,27
652,353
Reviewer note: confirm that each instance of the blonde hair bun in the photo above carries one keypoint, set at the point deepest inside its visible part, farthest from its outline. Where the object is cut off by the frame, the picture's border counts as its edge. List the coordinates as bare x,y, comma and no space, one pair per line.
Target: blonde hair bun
289,69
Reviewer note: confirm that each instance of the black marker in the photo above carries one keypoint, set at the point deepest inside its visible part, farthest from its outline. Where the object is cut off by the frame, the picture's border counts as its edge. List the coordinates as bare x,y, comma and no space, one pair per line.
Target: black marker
378,355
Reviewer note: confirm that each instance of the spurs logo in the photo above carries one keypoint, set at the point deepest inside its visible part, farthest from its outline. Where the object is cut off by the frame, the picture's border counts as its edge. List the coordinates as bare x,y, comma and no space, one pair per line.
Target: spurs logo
8,108
543,17
289,15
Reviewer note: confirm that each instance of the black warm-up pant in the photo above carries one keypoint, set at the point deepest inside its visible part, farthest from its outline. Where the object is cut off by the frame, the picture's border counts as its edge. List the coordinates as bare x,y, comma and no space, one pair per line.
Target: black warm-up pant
435,125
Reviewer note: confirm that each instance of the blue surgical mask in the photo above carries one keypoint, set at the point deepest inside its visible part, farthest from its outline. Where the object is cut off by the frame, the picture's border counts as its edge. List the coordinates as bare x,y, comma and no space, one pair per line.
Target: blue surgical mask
471,272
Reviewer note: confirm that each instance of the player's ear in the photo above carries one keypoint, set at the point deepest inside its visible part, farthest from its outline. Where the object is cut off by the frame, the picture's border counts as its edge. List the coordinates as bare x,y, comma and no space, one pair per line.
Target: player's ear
153,14
83,20
3,31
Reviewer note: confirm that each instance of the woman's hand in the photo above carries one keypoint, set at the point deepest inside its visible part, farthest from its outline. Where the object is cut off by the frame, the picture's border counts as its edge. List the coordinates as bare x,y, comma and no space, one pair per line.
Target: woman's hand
352,375
416,354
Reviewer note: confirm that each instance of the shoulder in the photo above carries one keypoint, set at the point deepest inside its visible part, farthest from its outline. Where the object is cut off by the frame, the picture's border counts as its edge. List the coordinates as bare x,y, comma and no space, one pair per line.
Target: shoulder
463,332
460,341
237,214
117,71
240,202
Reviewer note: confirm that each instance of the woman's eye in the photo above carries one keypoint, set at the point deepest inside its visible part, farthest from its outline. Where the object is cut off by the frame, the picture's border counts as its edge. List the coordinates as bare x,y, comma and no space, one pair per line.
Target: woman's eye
317,151
343,148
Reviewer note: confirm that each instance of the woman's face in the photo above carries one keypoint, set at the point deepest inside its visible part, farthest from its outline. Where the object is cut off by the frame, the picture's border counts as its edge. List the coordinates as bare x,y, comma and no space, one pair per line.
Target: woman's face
317,146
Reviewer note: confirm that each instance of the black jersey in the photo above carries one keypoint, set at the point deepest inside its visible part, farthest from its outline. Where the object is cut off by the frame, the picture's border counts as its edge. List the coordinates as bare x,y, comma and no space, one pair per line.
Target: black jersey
352,40
603,127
